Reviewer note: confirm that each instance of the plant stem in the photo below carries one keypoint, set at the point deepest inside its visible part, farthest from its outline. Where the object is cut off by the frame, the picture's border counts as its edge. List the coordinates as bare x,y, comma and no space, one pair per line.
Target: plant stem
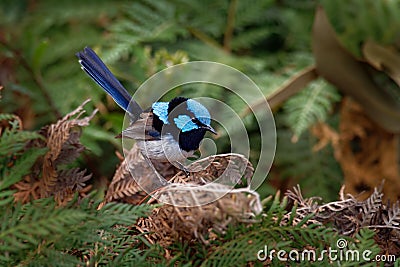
230,25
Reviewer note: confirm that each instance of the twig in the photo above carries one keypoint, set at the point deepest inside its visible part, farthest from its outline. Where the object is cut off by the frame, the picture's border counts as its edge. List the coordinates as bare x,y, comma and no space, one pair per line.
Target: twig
289,88
230,22
203,37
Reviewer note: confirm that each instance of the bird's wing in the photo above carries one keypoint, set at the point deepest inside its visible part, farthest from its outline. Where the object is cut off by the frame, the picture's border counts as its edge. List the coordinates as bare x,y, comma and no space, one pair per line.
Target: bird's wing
142,129
98,71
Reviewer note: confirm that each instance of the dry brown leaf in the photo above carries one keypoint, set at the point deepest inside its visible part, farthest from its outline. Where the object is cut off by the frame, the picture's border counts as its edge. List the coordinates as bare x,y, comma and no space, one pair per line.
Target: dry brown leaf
369,154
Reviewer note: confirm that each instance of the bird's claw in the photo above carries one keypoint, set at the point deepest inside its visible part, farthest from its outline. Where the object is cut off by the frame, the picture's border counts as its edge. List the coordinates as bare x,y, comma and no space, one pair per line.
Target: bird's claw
183,168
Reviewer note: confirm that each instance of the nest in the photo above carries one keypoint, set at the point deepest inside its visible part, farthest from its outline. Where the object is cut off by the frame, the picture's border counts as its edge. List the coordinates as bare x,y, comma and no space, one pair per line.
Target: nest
199,204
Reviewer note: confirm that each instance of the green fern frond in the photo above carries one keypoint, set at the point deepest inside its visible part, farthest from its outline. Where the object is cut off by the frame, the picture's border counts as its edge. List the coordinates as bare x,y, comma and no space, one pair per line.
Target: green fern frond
10,143
8,117
29,224
249,14
21,167
67,233
147,21
249,38
244,249
12,138
122,214
6,198
363,241
310,106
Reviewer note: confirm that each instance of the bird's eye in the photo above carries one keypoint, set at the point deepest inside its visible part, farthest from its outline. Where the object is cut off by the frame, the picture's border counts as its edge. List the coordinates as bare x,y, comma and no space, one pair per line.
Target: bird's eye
194,120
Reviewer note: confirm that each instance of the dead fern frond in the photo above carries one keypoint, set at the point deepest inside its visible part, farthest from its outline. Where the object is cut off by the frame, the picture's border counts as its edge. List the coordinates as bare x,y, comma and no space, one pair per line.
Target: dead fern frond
393,216
60,139
371,206
349,215
48,176
70,181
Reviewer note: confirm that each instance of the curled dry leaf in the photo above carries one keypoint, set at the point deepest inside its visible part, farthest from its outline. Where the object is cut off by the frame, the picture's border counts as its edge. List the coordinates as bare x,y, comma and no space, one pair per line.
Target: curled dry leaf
384,58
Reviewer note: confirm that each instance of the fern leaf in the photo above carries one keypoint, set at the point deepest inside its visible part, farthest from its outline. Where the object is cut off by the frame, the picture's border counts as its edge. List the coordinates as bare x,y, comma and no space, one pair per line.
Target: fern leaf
393,217
35,223
238,252
6,197
309,106
121,213
364,241
12,142
21,167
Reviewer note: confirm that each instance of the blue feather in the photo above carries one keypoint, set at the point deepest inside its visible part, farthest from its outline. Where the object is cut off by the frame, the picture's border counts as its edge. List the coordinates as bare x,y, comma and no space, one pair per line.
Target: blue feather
99,72
185,123
199,111
161,110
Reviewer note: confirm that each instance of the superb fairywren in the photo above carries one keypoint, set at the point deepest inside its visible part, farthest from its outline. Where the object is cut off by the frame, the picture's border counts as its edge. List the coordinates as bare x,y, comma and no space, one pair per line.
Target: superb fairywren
168,131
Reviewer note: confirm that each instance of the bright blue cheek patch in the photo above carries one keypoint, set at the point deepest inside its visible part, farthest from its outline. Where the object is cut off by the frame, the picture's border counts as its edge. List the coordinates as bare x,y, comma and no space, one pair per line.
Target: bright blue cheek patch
199,111
161,110
184,122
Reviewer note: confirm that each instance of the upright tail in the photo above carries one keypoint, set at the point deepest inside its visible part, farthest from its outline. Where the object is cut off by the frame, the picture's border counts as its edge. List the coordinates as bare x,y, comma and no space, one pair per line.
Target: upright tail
98,71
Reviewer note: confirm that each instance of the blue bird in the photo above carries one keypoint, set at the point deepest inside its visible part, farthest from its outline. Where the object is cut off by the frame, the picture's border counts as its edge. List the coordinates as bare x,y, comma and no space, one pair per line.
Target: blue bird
168,131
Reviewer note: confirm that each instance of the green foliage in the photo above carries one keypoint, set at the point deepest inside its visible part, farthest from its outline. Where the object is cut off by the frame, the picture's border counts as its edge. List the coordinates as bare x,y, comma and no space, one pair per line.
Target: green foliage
12,138
270,232
48,81
316,171
311,105
41,233
22,166
15,161
353,24
365,238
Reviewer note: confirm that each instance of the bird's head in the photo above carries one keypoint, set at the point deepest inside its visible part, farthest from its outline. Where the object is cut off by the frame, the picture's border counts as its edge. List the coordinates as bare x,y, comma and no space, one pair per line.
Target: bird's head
186,119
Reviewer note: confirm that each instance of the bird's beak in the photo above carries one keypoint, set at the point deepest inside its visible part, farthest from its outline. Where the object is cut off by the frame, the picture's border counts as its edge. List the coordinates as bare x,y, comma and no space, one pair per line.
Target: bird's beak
209,128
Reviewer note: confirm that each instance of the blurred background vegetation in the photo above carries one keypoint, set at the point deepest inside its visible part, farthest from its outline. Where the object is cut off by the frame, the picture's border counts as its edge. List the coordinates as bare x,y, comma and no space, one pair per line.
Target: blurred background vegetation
335,127
267,40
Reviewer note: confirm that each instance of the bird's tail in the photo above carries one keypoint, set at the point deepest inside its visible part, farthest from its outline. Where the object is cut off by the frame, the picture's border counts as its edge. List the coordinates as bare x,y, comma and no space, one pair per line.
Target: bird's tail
98,71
